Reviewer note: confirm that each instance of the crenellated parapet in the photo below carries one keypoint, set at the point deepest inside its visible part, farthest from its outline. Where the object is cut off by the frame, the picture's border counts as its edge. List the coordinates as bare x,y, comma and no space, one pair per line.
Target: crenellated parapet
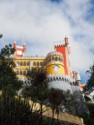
19,50
58,78
54,56
55,63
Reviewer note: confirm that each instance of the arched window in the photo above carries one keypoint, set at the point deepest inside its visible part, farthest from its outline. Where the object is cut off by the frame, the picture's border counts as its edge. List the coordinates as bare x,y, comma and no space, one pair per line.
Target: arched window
65,79
56,59
41,63
24,63
34,63
24,72
49,59
20,72
28,63
21,63
60,59
37,63
54,79
45,63
53,59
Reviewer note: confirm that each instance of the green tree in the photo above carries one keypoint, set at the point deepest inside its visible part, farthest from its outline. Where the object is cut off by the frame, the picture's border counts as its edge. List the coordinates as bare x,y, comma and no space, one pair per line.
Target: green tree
90,82
17,111
13,111
60,101
9,83
38,87
55,101
69,102
89,118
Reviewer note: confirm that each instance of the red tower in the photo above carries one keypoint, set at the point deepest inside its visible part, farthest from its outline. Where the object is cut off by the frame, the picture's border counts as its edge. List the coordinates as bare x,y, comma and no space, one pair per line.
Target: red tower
65,50
20,50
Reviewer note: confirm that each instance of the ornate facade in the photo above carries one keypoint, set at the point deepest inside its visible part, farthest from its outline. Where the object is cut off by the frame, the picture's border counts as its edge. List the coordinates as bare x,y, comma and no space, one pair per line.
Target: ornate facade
57,65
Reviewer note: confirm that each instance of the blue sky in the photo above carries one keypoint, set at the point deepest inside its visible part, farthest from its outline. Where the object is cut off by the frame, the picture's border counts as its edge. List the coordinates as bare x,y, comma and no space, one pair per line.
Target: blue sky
40,22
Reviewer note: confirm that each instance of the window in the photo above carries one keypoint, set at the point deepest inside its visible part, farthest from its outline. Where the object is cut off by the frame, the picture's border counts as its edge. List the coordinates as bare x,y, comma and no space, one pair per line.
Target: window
20,72
34,63
28,63
60,59
45,63
56,59
24,72
41,63
21,63
53,59
37,63
24,63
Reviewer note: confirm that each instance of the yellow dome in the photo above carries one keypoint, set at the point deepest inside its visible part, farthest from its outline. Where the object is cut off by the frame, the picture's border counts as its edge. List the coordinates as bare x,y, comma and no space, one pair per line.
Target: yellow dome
55,63
54,56
54,53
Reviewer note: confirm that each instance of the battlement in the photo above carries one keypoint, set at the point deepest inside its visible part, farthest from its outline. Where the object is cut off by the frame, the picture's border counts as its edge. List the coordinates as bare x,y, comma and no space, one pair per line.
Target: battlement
30,57
19,50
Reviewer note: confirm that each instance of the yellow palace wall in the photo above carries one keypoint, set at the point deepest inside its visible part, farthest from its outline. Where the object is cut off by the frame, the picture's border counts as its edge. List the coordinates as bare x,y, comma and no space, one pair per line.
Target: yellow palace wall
23,64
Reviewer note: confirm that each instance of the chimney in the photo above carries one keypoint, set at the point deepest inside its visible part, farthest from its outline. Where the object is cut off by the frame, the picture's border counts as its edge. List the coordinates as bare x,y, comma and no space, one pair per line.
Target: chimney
78,77
66,41
14,45
24,47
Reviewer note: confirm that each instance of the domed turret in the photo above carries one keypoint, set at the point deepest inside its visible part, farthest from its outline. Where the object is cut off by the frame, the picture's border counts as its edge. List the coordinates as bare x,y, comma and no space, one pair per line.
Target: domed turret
56,72
55,63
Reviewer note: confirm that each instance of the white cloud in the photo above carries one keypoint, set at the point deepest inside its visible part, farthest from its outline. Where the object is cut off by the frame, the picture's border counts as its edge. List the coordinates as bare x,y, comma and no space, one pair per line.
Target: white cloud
39,23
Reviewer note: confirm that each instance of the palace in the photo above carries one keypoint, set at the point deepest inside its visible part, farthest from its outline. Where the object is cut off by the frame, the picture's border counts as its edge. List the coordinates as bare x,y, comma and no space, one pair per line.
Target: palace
57,63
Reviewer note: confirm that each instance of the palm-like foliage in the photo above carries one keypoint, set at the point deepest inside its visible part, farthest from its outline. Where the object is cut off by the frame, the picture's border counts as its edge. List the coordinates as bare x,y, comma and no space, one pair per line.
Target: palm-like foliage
38,88
16,111
55,99
69,102
61,101
89,118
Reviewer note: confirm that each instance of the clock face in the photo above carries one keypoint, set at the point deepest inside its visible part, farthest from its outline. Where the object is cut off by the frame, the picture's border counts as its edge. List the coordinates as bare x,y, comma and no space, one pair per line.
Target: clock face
56,68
